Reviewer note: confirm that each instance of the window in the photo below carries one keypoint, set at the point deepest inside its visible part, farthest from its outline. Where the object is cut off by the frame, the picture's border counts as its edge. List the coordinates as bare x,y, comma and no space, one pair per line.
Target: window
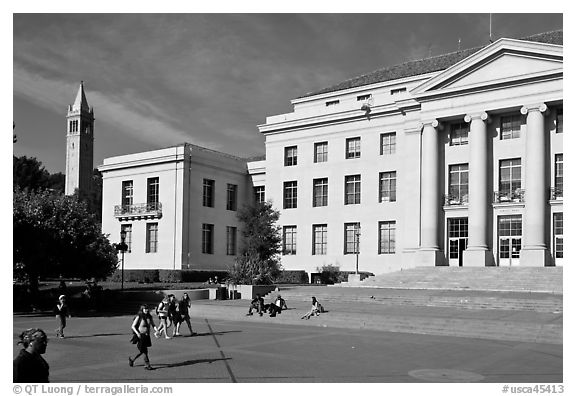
290,195
351,238
397,91
321,152
353,148
352,190
151,237
320,187
208,238
559,175
231,196
387,187
387,143
127,193
386,237
231,241
361,98
319,239
127,228
290,156
74,126
510,127
459,134
260,194
558,235
559,121
458,183
208,193
153,191
289,240
510,178
332,103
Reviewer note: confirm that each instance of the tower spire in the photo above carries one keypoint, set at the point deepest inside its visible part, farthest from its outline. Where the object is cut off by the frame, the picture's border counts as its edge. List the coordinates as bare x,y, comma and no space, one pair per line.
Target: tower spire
80,103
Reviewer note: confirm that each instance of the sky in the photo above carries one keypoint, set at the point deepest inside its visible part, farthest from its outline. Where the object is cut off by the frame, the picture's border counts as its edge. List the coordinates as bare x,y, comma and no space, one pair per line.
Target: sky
158,80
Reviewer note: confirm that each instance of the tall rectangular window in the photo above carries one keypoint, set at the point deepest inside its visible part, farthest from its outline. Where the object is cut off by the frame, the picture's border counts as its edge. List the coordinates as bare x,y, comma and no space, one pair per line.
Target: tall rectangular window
510,127
208,193
291,156
127,193
290,195
559,121
127,228
289,240
387,143
231,196
559,235
153,191
320,191
151,237
208,238
510,178
321,152
386,237
559,175
352,190
458,183
260,194
319,239
459,133
353,148
351,238
387,187
231,241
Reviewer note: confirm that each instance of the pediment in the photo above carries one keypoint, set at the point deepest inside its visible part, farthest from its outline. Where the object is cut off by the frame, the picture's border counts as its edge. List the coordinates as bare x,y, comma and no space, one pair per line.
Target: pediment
503,61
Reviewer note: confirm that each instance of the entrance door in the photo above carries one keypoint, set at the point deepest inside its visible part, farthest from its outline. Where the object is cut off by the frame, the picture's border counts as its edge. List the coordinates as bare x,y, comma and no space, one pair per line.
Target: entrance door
509,240
558,239
457,240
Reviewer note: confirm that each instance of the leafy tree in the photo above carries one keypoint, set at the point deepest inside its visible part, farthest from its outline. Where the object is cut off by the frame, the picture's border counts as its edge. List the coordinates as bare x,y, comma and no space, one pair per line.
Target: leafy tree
56,235
258,262
29,174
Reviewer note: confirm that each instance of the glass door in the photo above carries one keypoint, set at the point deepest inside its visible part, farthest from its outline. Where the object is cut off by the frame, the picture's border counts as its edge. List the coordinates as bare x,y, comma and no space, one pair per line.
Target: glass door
457,240
509,240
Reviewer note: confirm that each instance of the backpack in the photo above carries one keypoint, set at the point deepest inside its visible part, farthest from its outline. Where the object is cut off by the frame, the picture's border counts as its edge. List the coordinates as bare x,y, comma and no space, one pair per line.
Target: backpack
134,339
161,308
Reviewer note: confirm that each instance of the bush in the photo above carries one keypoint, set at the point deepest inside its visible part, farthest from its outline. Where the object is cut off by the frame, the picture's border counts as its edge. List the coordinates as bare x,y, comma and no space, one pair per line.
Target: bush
293,277
329,274
170,276
140,276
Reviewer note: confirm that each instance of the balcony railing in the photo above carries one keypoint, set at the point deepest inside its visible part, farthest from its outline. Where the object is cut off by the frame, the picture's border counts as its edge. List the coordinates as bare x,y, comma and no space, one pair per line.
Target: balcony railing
509,196
141,210
556,193
452,199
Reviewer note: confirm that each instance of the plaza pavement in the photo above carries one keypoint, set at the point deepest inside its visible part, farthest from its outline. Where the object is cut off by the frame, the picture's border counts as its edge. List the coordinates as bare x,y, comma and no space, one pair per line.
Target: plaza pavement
350,343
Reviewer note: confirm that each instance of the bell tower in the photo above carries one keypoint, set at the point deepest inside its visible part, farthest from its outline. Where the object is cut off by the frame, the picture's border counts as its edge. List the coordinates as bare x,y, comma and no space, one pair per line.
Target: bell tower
79,145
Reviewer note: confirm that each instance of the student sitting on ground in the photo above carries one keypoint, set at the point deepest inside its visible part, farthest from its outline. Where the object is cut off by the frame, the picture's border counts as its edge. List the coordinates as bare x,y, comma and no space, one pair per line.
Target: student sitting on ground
277,307
314,310
258,304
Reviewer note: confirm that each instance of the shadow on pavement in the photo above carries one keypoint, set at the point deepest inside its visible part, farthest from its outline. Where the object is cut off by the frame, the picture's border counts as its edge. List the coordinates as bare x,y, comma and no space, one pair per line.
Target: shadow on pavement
186,363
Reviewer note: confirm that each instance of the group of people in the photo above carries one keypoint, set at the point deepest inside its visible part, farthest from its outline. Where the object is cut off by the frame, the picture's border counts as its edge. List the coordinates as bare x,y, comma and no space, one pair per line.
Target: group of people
278,305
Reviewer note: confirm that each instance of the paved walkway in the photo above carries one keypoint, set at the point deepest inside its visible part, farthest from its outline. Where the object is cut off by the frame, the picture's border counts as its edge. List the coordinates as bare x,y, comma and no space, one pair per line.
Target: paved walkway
350,343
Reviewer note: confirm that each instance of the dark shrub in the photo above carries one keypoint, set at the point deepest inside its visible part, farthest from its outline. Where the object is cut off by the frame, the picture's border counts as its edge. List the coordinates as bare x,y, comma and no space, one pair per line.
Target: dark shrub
297,277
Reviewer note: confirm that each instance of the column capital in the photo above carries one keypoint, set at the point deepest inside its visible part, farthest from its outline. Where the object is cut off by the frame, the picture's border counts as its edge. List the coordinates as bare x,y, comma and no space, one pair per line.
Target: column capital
474,116
541,107
434,123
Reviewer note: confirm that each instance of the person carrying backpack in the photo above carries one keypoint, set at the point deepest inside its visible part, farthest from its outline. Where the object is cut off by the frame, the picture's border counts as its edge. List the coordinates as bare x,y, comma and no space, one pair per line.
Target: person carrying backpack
162,312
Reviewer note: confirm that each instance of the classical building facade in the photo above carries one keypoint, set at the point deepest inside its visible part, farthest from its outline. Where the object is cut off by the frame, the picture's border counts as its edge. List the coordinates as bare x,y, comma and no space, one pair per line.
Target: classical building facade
177,206
79,145
451,160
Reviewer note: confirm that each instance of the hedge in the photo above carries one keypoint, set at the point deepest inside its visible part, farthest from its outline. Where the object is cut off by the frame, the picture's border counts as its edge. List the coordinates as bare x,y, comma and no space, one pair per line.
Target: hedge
293,277
166,276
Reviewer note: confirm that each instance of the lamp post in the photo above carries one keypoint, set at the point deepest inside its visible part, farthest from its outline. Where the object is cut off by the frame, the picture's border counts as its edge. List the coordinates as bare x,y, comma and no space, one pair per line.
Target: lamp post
122,247
357,243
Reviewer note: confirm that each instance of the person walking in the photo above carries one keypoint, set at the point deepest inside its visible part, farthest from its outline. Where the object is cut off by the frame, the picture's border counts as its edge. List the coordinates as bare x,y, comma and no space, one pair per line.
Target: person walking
162,312
62,312
314,310
141,329
173,314
29,365
183,305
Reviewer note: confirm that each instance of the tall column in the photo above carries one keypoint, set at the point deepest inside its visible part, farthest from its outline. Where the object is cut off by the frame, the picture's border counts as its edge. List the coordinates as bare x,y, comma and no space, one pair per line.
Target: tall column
534,251
477,253
429,253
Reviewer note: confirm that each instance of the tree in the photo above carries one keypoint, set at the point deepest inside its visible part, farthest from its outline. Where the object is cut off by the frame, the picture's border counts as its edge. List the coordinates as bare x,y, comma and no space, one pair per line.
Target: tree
56,235
29,174
258,261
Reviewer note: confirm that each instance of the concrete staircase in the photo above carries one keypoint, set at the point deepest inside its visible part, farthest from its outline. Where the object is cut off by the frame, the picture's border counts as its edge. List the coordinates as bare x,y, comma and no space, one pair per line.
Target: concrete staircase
519,279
